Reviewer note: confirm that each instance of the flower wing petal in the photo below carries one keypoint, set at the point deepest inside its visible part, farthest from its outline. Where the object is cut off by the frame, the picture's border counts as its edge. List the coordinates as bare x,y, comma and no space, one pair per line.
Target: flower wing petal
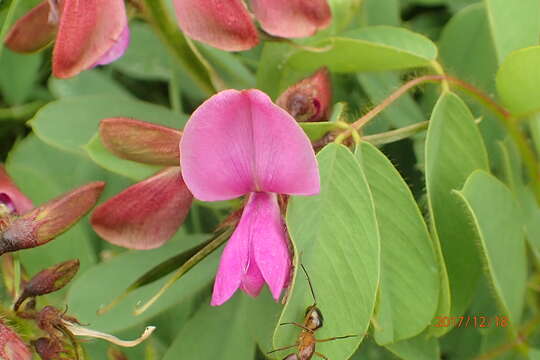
88,30
145,215
292,18
225,25
117,50
270,244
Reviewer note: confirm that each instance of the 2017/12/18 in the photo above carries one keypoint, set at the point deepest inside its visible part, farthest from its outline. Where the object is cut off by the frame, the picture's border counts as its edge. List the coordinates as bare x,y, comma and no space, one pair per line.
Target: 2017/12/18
480,321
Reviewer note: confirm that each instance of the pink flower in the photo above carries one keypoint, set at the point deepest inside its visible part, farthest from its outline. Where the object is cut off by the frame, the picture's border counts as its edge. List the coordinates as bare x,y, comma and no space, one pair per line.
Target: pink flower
11,345
237,143
12,200
88,33
227,25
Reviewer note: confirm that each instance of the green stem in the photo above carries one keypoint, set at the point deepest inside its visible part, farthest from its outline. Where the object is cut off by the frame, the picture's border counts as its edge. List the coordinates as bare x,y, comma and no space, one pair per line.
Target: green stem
168,30
396,135
194,260
21,112
8,20
175,95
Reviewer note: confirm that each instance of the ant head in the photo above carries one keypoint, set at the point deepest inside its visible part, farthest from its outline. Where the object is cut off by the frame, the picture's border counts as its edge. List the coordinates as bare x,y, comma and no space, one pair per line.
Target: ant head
314,318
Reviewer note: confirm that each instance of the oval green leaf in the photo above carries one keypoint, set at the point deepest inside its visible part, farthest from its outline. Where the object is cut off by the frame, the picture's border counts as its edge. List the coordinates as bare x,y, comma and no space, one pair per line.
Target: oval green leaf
518,81
409,269
336,237
454,149
376,48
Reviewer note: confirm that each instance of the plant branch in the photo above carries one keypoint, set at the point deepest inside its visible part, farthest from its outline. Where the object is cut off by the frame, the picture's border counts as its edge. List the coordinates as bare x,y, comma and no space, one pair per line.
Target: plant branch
508,121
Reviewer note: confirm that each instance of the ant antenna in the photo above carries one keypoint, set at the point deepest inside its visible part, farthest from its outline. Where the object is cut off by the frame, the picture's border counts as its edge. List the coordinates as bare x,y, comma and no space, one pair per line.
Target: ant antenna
310,285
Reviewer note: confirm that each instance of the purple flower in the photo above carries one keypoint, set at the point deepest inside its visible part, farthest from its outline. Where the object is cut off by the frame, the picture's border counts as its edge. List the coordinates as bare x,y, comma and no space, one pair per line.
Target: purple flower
237,143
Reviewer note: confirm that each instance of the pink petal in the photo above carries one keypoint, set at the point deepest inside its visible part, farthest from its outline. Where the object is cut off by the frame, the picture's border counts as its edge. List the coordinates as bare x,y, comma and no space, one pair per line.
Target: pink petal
11,345
117,50
140,141
33,31
238,266
11,196
238,142
145,215
88,30
225,25
269,241
292,18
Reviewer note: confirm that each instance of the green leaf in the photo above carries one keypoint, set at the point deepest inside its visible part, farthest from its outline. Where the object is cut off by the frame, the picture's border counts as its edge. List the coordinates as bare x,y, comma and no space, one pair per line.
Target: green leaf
18,75
235,74
90,291
270,70
497,218
404,235
146,58
42,173
471,58
518,81
336,237
89,82
70,123
514,25
377,48
215,333
107,160
316,130
421,347
381,12
454,149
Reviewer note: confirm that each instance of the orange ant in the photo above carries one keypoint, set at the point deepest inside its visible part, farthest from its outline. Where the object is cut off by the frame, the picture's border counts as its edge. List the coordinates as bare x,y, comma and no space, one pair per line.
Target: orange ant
313,320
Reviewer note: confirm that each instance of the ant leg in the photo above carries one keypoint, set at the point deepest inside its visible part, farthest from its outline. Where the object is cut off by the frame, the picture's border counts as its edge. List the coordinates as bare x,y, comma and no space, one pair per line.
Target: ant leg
296,324
334,338
321,356
283,348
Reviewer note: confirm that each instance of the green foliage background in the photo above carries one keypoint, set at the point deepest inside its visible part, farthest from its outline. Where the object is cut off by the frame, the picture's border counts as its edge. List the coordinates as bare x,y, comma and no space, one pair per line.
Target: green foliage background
442,224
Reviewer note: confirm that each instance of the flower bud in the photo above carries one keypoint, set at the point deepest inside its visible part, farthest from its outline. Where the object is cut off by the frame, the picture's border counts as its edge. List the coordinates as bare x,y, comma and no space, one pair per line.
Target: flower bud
48,349
33,31
46,222
309,99
49,280
141,141
11,345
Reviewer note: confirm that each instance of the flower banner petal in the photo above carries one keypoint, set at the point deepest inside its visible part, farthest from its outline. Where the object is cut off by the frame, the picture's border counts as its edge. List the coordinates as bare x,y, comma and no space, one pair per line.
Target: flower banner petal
88,30
225,25
11,196
292,18
239,142
33,31
145,215
141,141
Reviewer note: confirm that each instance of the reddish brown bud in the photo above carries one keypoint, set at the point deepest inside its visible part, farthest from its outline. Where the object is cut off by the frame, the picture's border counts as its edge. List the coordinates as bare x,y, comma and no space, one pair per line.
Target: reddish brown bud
309,99
115,354
33,31
147,214
49,280
141,141
51,219
48,349
11,345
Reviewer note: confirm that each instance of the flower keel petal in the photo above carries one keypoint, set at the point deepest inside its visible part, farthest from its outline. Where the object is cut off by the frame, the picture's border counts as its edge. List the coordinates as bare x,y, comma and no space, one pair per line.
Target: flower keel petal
11,196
